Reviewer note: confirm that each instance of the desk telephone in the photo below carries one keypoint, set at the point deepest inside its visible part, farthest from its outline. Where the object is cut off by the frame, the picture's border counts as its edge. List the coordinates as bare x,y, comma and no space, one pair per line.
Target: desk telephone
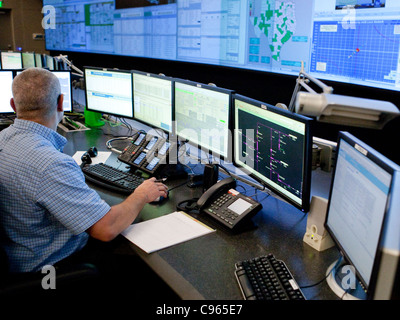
226,205
147,152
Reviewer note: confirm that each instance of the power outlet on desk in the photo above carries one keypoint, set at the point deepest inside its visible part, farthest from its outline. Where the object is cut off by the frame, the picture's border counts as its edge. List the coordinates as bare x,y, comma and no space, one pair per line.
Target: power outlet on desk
316,235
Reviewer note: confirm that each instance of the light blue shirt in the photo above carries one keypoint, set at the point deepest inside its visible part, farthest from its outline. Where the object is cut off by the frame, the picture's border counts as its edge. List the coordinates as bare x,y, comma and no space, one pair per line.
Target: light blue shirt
45,204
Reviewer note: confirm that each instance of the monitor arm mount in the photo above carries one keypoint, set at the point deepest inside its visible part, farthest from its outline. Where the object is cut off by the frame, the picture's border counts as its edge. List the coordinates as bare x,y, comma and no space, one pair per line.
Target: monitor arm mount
302,81
71,65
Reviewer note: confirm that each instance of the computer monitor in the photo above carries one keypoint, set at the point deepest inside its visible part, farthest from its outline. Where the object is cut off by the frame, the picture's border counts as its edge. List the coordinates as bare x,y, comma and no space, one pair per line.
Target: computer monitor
153,100
66,88
203,116
38,60
6,79
349,41
274,146
358,206
385,281
109,91
49,61
11,60
28,60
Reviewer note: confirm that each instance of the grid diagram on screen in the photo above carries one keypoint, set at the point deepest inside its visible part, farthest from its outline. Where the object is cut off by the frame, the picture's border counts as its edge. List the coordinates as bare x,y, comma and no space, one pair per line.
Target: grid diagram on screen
367,50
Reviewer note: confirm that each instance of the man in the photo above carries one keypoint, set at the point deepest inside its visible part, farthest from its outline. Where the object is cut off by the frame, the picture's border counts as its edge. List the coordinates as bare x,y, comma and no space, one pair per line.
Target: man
47,212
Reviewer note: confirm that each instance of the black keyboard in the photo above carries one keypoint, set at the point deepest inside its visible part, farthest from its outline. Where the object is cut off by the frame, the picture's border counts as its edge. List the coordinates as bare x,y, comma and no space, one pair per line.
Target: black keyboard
266,278
112,178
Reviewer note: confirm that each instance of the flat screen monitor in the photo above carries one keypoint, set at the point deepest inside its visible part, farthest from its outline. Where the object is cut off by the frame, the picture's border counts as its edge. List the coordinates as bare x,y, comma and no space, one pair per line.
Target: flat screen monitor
274,146
347,41
28,60
11,60
203,116
153,100
38,60
49,61
109,91
6,79
361,189
385,280
66,88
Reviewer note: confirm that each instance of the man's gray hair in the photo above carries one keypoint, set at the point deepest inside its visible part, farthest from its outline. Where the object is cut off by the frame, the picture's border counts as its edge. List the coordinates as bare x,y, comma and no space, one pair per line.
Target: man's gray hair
36,92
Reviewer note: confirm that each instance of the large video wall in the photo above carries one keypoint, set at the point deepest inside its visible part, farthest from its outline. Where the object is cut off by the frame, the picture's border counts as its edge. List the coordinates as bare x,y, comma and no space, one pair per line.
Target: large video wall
353,41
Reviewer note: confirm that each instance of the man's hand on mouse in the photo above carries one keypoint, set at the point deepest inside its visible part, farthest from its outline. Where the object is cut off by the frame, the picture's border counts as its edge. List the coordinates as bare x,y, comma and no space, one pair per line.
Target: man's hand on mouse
152,190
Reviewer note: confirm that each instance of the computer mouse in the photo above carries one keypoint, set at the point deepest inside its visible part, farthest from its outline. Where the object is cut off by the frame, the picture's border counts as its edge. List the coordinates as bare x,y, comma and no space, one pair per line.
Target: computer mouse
161,199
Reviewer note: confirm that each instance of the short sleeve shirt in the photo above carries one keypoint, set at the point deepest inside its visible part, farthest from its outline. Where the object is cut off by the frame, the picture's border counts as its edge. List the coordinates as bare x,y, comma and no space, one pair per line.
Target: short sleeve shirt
45,204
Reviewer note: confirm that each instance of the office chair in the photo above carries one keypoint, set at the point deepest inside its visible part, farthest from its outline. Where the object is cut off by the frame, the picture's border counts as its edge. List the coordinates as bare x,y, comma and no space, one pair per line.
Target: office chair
71,279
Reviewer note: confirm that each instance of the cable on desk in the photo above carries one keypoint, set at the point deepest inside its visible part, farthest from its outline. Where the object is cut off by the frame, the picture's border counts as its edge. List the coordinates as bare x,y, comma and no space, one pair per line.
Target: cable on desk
225,169
326,276
179,185
189,205
108,143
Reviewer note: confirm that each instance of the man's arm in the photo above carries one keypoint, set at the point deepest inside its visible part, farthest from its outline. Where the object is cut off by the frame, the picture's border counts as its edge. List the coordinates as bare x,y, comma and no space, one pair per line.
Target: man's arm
122,215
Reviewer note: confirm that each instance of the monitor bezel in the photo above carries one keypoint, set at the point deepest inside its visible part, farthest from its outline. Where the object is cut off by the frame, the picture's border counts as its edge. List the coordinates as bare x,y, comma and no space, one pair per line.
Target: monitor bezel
306,188
162,77
389,167
12,71
230,93
7,51
39,56
34,59
118,115
45,57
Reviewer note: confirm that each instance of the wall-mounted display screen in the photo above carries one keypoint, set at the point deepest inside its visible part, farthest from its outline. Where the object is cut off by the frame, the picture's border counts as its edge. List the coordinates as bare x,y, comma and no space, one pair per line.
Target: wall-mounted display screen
349,41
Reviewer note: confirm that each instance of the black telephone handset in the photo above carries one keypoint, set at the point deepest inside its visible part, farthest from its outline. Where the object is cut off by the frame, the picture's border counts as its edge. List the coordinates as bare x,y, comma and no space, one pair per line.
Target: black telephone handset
226,205
220,187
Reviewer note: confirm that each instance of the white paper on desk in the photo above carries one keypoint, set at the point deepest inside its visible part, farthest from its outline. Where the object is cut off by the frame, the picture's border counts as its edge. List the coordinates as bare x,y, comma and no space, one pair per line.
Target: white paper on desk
165,231
102,156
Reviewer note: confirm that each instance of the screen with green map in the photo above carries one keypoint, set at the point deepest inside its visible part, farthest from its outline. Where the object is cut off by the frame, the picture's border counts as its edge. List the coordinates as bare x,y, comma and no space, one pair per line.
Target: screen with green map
352,41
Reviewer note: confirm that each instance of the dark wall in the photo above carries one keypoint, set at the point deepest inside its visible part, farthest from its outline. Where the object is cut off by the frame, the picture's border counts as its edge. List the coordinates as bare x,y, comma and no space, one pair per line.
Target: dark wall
267,87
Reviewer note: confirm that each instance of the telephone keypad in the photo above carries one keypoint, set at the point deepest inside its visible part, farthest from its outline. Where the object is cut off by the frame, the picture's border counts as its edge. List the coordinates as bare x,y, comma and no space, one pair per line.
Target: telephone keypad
222,212
219,209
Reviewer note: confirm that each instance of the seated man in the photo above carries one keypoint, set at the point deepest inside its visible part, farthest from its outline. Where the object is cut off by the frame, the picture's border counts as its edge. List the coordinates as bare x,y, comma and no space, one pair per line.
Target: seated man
47,210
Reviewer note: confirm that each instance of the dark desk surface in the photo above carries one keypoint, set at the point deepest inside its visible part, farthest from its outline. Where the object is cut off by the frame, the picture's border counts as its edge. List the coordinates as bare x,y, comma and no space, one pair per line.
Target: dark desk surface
203,268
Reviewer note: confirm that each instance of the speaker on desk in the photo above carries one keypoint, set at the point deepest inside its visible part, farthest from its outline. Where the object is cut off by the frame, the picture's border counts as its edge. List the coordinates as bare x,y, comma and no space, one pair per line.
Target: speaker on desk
210,176
316,235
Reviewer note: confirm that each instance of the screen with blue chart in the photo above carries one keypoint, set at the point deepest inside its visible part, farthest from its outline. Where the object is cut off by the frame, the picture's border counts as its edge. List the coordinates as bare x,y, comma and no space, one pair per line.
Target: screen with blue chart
350,41
368,52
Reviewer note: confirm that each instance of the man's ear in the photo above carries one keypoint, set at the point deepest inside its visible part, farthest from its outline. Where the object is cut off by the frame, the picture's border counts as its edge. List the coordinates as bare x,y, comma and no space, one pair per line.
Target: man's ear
60,102
12,103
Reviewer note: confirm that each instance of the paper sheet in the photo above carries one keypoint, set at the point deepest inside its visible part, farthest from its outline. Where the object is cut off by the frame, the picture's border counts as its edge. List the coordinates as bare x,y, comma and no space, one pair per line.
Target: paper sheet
102,156
165,231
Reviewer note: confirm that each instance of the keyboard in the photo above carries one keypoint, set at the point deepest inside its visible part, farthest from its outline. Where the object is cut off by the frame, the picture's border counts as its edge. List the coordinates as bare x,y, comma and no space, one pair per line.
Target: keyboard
112,178
266,278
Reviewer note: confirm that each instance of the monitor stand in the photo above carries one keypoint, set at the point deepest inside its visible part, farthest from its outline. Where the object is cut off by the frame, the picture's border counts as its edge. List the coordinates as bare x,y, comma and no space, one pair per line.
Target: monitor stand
344,283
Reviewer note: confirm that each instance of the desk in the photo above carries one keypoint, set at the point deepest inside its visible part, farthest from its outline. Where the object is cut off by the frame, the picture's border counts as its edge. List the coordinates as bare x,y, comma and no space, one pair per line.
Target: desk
203,268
